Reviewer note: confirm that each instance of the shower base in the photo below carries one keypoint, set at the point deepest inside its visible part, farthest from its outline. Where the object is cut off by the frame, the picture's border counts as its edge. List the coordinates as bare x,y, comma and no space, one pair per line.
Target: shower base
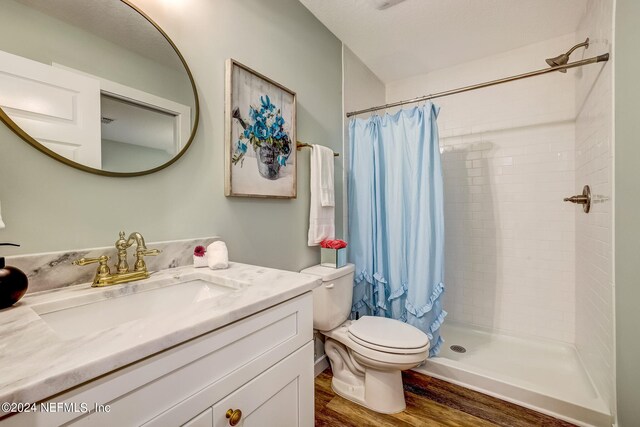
542,375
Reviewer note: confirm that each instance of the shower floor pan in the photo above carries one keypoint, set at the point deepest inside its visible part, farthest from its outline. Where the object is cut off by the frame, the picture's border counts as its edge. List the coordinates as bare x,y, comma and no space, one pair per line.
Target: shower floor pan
545,376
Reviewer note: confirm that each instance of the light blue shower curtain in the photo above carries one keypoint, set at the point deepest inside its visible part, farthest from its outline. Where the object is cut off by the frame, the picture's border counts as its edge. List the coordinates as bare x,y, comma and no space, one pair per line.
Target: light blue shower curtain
396,221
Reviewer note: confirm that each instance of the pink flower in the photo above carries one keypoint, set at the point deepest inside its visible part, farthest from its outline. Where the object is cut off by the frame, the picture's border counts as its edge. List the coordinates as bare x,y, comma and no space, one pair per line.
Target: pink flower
199,251
333,244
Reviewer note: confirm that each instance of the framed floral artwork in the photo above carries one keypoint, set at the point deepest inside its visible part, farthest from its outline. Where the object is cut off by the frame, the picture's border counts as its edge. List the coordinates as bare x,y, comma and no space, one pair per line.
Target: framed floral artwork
260,140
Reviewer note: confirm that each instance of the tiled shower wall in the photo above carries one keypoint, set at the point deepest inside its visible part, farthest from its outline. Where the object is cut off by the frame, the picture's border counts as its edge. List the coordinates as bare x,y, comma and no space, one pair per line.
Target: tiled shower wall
594,159
508,159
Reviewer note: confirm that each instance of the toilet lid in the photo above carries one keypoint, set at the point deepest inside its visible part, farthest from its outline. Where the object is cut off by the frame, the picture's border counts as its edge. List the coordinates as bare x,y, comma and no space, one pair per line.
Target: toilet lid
388,335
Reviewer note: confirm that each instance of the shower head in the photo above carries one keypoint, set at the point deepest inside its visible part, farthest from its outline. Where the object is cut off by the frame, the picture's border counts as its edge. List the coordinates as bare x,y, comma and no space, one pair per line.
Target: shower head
558,60
563,59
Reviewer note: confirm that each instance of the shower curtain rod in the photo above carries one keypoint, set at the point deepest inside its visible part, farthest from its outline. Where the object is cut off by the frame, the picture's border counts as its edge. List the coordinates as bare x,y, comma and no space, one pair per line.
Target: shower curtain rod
592,60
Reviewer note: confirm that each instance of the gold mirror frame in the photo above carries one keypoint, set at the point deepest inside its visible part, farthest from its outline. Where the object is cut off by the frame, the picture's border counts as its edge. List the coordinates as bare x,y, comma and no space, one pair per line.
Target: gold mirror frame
26,137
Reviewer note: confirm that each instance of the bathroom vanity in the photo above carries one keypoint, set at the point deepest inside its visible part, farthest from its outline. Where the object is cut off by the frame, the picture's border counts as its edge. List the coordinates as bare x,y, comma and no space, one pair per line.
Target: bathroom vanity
188,346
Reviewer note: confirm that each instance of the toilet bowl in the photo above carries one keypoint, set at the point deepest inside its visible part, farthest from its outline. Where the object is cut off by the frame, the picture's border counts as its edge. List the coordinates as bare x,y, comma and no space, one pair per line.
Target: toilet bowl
367,355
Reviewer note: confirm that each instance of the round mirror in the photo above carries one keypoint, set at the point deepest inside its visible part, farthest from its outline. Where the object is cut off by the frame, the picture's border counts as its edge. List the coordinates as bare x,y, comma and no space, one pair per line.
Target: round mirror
95,84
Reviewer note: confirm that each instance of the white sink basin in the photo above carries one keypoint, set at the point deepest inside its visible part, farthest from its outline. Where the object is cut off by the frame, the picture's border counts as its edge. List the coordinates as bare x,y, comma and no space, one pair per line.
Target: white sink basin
78,316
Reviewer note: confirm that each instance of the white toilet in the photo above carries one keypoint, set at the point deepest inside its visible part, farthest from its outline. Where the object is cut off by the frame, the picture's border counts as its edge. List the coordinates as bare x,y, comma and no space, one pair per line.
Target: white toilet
366,355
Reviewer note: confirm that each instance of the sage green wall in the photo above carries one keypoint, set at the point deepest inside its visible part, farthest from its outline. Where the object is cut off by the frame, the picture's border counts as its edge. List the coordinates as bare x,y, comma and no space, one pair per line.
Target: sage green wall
48,206
627,212
121,157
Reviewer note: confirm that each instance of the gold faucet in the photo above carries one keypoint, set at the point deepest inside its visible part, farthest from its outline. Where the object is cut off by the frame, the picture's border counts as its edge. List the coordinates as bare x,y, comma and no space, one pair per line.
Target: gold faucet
122,275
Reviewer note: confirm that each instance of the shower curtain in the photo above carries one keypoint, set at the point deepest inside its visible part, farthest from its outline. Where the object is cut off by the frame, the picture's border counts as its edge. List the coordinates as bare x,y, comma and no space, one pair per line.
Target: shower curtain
396,221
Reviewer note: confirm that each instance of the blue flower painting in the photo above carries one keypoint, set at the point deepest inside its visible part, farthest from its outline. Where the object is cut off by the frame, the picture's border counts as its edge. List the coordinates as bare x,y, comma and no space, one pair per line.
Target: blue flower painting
265,132
262,125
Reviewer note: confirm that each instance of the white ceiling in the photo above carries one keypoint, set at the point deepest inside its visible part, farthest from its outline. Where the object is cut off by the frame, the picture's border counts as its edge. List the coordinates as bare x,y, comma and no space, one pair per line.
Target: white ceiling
418,36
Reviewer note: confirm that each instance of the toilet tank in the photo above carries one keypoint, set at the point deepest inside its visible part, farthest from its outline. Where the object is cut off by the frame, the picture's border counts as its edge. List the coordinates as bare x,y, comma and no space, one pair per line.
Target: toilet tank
331,300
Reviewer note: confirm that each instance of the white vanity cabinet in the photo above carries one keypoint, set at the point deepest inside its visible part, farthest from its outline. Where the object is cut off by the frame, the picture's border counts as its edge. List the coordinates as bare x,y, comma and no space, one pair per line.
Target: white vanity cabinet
261,366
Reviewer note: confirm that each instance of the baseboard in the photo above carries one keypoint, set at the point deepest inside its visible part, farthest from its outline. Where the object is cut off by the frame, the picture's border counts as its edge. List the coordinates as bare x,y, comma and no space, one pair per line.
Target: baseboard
321,364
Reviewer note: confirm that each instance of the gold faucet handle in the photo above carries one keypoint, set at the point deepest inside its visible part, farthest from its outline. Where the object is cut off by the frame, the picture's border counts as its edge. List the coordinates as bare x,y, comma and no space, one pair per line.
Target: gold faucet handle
140,265
148,252
103,270
86,261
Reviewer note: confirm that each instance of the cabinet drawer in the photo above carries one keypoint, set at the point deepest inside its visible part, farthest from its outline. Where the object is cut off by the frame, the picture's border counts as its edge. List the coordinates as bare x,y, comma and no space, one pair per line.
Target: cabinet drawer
230,356
280,397
203,420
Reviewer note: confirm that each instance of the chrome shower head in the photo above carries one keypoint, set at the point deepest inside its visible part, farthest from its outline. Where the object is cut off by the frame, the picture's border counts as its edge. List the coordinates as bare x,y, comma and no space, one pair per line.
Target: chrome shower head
563,59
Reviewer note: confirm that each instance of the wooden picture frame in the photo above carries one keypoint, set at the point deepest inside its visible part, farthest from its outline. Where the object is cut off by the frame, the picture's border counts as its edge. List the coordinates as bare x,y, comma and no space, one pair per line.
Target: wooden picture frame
260,135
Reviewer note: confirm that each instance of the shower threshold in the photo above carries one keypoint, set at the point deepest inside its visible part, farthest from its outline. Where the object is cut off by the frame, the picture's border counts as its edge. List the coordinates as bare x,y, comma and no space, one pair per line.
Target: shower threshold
541,375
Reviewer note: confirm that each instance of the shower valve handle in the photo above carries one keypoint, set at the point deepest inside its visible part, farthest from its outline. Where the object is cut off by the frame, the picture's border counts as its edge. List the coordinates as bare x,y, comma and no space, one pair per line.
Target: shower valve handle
583,199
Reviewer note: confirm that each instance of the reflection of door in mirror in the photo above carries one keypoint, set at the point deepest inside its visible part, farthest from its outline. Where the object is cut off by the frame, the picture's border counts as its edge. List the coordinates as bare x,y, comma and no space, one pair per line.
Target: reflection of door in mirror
57,108
90,120
95,83
140,130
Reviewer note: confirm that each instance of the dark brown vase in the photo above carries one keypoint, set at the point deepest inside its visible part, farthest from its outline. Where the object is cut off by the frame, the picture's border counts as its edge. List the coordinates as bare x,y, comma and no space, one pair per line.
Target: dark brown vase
13,283
13,286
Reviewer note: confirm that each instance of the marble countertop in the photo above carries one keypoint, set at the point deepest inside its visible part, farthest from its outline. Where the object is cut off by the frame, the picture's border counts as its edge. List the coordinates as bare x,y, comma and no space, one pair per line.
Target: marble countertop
36,362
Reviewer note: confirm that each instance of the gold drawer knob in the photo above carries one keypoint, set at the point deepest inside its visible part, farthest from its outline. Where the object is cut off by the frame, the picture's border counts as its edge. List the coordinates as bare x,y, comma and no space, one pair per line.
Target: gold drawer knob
234,416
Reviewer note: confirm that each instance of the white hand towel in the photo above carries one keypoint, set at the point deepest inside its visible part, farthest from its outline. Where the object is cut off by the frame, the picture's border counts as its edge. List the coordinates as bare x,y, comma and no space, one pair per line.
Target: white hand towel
321,218
1,223
217,255
200,261
322,159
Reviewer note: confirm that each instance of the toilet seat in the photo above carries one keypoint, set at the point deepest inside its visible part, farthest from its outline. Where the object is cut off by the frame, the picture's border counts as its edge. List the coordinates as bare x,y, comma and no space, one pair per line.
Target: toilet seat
388,335
389,350
380,354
